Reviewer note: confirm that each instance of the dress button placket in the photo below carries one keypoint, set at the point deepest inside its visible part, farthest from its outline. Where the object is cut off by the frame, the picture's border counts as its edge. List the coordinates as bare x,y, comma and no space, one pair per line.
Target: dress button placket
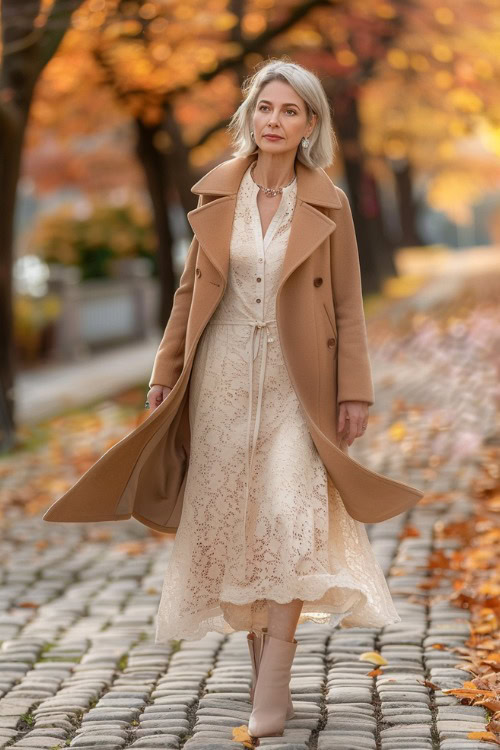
258,324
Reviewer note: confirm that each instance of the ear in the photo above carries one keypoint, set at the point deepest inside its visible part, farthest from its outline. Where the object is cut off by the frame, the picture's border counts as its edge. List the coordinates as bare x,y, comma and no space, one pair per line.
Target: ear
314,120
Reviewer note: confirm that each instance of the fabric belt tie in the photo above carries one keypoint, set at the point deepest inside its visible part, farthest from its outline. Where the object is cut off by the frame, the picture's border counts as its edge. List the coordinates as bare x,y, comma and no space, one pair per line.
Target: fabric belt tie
252,351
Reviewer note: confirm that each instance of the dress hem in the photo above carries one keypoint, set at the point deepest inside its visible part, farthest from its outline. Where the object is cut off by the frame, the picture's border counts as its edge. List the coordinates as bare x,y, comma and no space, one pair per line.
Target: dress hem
212,620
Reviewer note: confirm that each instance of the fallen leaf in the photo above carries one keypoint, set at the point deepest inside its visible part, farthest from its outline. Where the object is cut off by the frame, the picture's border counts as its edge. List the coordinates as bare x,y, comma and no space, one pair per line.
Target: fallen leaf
429,684
409,531
373,656
240,734
487,736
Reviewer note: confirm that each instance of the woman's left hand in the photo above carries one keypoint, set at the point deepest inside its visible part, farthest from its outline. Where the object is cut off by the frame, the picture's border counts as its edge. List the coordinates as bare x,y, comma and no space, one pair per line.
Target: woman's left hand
352,420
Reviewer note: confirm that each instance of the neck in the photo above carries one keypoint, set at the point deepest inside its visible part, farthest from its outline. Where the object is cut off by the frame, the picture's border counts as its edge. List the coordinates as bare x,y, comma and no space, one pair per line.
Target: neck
274,171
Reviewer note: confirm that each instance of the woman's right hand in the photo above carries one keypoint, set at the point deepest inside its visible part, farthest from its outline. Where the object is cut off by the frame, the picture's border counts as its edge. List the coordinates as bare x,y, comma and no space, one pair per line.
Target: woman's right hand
157,394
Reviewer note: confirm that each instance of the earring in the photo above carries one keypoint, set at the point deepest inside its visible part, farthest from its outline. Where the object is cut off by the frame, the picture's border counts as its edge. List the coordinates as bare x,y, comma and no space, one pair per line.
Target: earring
251,134
305,142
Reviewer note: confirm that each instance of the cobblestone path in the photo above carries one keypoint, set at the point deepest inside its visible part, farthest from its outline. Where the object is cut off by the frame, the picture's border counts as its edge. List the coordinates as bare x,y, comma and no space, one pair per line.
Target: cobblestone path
78,663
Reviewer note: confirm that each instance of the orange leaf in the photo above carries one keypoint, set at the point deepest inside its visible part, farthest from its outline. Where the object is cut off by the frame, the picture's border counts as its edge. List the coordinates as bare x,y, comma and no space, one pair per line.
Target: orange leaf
409,531
429,684
489,736
240,734
491,704
461,693
495,656
430,583
438,559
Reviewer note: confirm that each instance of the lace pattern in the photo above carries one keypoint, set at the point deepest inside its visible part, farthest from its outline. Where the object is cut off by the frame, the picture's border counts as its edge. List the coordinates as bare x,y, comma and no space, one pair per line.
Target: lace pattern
285,534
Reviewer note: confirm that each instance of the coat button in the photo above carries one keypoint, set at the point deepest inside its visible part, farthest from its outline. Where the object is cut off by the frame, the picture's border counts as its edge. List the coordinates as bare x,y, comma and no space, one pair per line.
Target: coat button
331,343
318,281
198,272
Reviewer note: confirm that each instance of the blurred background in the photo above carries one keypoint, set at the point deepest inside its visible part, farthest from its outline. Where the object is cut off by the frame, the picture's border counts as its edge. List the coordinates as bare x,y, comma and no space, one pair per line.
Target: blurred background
110,111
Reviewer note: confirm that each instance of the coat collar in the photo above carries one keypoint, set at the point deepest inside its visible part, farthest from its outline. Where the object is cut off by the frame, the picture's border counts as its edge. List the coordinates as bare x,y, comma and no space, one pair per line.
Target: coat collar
313,185
212,220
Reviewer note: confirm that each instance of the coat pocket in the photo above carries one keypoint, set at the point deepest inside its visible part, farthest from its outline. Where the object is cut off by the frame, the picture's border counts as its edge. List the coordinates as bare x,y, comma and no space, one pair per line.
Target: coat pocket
330,321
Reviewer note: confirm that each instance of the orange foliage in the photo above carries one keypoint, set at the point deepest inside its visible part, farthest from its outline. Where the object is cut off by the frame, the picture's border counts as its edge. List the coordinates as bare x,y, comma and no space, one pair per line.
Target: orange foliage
475,567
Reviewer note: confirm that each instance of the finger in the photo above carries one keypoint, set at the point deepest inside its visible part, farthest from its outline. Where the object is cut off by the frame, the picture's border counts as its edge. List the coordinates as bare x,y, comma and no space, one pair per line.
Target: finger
353,430
341,420
344,420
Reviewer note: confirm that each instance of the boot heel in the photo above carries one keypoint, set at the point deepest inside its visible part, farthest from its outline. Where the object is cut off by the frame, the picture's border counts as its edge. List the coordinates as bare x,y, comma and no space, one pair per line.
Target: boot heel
271,693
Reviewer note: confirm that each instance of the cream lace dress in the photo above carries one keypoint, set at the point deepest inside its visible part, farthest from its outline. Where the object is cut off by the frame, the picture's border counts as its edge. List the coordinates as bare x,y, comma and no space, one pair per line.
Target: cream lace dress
261,518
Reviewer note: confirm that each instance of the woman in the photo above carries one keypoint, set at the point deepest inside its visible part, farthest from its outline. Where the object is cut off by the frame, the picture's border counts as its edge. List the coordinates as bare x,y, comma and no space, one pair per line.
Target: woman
264,541
261,382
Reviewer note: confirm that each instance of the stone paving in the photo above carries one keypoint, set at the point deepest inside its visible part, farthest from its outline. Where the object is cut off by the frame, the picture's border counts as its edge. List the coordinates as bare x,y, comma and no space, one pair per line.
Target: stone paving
78,664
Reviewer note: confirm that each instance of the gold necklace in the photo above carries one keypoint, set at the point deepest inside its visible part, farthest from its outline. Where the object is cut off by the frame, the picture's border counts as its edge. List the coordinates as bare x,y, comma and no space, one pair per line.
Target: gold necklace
269,192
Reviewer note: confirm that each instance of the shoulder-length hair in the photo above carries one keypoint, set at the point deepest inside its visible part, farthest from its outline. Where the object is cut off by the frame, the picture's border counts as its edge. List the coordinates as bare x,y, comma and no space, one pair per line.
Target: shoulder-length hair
322,141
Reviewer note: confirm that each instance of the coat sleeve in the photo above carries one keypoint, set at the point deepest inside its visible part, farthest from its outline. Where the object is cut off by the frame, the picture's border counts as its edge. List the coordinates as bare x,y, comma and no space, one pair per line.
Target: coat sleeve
354,378
169,359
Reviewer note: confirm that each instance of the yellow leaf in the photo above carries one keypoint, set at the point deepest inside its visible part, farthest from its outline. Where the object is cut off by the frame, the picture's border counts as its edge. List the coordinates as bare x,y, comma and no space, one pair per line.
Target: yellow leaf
373,656
397,431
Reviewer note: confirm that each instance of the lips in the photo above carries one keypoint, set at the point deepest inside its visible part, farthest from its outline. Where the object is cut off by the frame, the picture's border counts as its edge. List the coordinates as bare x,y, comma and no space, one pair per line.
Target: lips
273,137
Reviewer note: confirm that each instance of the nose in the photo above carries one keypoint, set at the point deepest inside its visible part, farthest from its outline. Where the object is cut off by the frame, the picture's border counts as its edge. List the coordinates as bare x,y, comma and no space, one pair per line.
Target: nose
273,118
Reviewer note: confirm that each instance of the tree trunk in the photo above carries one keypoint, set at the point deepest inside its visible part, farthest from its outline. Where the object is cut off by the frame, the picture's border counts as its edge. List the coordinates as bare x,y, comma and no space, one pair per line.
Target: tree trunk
25,52
153,162
375,250
11,137
176,159
410,236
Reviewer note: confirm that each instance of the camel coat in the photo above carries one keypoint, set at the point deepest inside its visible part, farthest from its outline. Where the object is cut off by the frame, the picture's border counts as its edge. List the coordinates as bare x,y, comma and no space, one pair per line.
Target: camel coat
320,319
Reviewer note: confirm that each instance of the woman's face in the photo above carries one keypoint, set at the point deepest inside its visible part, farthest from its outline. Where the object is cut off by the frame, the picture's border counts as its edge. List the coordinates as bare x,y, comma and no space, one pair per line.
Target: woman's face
280,111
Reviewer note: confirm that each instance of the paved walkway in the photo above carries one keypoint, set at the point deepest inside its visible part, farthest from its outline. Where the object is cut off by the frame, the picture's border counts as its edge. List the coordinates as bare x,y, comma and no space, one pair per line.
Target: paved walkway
78,663
52,388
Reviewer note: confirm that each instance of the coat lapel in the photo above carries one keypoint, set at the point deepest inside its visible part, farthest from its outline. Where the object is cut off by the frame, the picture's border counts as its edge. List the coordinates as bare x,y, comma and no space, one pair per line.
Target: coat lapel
212,222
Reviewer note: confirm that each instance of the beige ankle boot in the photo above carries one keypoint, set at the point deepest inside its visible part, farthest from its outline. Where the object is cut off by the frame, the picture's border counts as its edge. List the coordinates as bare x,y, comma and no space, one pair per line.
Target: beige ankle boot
270,700
254,641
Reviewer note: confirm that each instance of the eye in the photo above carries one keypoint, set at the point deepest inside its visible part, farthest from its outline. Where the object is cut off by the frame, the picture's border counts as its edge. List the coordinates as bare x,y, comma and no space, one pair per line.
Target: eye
292,111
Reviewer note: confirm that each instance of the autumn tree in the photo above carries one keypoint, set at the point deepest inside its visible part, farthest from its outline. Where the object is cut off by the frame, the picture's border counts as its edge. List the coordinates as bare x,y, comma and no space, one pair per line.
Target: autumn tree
31,34
176,69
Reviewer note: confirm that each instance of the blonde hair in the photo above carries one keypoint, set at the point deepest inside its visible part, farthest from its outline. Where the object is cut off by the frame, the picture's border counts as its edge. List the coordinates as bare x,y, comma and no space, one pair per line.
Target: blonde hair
322,141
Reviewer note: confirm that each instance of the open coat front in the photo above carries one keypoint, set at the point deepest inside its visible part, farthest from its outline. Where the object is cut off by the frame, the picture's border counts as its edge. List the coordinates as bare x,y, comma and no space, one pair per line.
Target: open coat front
320,319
